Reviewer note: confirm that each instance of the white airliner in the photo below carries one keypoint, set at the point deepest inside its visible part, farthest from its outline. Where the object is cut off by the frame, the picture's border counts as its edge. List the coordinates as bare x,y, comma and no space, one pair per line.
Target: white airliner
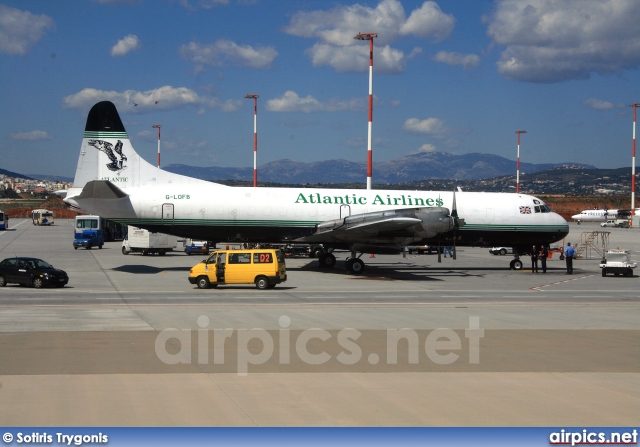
113,181
596,215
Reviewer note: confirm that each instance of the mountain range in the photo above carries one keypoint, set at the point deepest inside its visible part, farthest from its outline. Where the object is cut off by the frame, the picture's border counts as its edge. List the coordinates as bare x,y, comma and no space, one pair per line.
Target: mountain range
421,166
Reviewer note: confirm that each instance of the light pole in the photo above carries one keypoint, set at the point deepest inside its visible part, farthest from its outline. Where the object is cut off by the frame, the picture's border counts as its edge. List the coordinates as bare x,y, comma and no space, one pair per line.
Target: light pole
369,37
518,162
158,126
633,163
255,137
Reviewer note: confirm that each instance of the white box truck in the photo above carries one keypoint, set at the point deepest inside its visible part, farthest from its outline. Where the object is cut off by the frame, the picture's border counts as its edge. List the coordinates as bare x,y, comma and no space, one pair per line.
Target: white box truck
143,241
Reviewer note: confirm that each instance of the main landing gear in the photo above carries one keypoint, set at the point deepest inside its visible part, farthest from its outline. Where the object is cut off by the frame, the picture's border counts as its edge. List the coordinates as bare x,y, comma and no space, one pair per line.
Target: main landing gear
354,264
515,264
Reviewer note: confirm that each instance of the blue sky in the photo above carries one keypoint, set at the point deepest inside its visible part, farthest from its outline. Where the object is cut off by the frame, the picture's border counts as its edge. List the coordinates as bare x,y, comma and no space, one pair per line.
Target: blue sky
448,76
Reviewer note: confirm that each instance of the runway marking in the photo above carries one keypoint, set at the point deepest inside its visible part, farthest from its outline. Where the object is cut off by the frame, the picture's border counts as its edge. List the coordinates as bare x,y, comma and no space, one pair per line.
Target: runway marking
538,288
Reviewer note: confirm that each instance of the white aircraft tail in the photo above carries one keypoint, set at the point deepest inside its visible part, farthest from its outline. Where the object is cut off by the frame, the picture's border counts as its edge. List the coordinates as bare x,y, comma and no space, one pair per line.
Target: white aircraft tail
107,154
108,167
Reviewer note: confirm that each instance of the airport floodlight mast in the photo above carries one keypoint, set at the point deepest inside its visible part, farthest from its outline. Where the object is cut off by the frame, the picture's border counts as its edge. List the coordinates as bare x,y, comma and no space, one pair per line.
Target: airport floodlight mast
518,162
369,37
633,162
255,137
158,126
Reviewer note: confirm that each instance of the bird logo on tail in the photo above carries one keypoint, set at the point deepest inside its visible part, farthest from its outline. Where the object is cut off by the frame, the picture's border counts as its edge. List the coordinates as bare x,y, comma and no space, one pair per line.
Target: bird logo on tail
114,153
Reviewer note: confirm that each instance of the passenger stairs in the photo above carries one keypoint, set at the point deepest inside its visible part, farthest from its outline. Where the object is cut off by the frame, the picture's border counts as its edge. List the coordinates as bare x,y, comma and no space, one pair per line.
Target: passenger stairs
591,244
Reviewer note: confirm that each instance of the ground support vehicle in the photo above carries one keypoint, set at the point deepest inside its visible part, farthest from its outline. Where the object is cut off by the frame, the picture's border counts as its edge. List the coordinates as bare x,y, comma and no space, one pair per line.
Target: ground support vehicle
88,239
192,246
264,267
617,262
42,217
616,223
139,240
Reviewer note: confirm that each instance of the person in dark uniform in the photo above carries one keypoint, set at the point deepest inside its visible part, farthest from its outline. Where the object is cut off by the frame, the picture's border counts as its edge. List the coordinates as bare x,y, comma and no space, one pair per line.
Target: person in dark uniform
534,260
544,253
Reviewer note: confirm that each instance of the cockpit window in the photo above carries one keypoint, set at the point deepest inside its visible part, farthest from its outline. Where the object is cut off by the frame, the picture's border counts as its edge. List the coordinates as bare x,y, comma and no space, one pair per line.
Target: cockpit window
540,207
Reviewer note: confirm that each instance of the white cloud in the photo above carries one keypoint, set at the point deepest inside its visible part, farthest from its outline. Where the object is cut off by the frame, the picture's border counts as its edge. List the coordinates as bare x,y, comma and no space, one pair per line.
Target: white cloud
163,98
34,135
466,60
348,59
335,30
429,21
204,4
126,45
225,52
426,148
20,30
290,101
554,41
429,126
599,104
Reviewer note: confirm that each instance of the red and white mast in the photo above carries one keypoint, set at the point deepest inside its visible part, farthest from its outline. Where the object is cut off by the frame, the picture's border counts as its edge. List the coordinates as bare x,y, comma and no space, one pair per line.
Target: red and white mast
369,37
255,137
633,163
158,126
518,162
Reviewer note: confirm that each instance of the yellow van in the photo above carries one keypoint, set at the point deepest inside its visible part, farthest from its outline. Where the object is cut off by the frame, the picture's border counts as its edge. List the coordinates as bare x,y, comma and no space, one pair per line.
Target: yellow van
263,267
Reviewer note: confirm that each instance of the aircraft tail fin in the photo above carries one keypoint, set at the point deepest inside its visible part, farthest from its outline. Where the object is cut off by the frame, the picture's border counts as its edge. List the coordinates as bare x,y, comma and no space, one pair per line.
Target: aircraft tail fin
107,154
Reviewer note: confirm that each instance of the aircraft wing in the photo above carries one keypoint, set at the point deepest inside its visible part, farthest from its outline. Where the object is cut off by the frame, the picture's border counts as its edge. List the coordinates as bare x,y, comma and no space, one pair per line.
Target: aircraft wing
386,227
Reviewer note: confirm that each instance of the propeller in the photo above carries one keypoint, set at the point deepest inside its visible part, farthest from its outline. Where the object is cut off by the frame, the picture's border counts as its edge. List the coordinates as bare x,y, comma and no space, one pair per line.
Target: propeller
457,222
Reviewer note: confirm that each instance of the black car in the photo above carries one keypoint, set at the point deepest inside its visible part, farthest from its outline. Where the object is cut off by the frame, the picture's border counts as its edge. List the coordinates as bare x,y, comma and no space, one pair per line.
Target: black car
31,271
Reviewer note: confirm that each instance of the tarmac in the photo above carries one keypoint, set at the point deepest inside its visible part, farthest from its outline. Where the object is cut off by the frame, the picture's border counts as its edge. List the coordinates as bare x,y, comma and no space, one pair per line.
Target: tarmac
411,342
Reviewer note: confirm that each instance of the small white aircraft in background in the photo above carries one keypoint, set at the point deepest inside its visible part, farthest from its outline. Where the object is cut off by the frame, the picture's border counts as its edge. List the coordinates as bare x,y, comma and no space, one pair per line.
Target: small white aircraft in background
113,181
598,215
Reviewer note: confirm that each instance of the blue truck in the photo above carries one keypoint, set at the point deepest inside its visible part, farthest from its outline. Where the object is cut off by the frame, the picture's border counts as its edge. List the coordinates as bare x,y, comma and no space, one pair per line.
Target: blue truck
88,239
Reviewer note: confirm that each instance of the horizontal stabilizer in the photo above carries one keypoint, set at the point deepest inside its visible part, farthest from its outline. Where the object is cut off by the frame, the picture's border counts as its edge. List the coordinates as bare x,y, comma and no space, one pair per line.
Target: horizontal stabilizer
101,189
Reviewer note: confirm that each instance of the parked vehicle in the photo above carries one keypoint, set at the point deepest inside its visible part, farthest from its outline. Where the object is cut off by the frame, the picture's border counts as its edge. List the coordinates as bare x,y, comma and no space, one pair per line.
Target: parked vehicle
88,239
616,223
501,251
264,267
192,246
31,271
139,240
420,249
4,221
618,262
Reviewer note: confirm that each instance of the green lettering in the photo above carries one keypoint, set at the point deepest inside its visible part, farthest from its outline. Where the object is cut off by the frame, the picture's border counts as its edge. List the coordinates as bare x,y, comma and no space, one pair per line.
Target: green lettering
378,200
300,199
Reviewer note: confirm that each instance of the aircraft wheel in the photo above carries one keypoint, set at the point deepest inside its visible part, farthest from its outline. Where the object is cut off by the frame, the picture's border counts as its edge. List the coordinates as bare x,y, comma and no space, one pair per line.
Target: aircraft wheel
327,260
516,264
124,251
203,282
604,272
355,266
